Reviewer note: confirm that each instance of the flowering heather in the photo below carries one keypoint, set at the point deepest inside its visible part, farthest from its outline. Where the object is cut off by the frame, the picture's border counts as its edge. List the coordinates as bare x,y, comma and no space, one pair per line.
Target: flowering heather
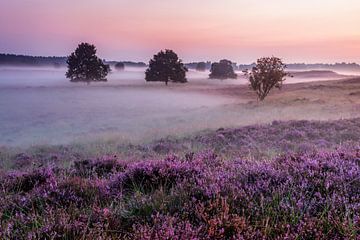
255,142
200,196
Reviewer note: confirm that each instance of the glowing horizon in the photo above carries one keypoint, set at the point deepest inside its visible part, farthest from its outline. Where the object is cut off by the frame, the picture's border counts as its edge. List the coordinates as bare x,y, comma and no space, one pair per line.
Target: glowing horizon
239,30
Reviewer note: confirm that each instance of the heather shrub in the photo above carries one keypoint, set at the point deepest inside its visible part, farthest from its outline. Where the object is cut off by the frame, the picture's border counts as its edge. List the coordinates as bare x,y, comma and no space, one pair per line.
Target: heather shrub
25,182
149,176
75,191
167,227
101,167
309,195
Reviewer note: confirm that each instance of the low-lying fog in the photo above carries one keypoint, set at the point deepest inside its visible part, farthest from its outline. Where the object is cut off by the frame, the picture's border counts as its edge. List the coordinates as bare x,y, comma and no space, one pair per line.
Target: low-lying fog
40,106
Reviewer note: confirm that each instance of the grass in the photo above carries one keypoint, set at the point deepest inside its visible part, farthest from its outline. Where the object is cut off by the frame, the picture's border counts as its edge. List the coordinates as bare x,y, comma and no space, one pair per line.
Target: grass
285,180
252,142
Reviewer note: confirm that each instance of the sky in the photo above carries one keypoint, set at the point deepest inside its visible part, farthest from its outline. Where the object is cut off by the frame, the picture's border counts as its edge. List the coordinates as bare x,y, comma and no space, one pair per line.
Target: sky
240,30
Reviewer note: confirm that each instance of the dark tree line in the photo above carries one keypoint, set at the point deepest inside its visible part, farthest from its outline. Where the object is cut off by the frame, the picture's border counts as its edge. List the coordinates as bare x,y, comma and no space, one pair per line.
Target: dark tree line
198,65
127,63
120,66
85,66
23,60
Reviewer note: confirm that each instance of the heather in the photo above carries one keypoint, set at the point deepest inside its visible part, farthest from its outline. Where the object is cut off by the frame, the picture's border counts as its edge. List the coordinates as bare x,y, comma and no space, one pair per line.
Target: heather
250,142
196,196
284,180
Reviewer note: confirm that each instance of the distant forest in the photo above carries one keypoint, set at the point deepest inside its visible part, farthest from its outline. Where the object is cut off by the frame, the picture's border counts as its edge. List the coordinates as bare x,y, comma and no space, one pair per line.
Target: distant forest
292,66
318,66
23,60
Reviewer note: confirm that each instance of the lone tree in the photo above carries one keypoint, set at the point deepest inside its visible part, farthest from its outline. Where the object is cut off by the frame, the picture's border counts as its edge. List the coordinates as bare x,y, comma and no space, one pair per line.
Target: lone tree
268,73
201,66
222,70
85,66
120,66
166,67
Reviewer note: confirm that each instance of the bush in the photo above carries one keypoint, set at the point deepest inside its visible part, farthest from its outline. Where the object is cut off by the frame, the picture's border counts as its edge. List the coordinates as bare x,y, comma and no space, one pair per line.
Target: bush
268,73
222,70
295,196
102,167
201,66
25,182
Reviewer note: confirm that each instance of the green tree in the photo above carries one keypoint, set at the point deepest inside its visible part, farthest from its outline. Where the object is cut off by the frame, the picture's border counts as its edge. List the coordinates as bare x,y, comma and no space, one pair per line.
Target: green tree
166,67
201,66
268,73
222,70
85,66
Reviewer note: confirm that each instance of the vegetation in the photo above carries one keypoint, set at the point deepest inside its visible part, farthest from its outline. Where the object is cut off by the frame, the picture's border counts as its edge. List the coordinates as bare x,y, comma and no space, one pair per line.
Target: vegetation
166,67
200,196
268,73
201,66
22,60
300,193
120,66
222,70
193,65
85,66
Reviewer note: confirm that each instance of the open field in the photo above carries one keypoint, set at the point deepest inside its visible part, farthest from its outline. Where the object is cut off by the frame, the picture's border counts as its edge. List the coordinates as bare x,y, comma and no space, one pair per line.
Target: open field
41,107
293,180
203,160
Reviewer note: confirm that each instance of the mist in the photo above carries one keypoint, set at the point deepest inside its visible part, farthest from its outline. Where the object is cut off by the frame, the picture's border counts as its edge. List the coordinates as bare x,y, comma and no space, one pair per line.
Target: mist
39,105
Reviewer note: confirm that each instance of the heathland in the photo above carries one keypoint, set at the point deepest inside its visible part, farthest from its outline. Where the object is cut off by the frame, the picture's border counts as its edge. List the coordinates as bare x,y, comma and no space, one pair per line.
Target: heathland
220,165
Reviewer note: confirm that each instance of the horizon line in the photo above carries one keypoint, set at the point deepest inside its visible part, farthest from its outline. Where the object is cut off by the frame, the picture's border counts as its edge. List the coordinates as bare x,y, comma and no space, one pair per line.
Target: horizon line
193,61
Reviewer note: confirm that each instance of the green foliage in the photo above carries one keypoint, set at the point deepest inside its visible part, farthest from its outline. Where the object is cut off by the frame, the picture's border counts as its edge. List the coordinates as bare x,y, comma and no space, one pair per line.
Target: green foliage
85,66
222,70
268,73
201,66
166,67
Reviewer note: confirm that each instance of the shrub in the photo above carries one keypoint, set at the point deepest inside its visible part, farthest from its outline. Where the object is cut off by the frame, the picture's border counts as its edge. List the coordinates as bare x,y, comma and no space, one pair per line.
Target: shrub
268,73
101,167
25,182
149,176
201,66
222,70
295,196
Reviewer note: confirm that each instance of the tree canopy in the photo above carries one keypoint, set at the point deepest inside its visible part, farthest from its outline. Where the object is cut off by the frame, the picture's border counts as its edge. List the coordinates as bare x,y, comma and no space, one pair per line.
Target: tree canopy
201,66
269,72
166,67
222,70
85,66
120,66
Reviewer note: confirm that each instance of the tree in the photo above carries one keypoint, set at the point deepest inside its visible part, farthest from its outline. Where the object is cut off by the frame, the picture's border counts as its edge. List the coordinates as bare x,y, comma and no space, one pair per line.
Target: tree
201,66
85,66
166,67
222,70
120,66
269,72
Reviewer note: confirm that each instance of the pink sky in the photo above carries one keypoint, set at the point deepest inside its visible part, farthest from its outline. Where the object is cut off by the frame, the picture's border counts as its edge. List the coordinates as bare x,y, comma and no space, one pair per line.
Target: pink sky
240,30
